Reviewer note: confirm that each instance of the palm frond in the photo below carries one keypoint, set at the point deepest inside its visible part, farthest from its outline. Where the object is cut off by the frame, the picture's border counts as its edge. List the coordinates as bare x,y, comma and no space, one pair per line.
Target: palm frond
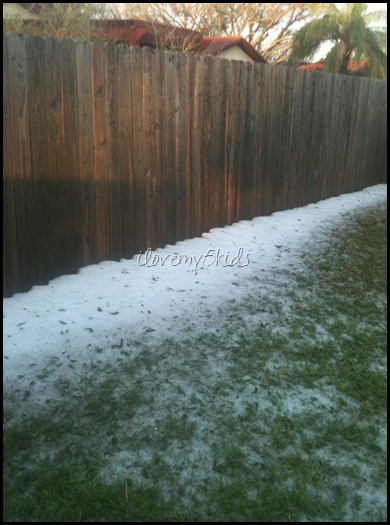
348,27
307,40
376,17
332,61
381,38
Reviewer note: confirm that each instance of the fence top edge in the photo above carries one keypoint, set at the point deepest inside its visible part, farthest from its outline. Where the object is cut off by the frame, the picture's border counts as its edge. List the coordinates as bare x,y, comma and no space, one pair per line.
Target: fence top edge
17,38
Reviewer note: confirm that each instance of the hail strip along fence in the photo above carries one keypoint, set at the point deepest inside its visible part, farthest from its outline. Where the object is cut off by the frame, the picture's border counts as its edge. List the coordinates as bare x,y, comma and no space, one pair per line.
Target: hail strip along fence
110,150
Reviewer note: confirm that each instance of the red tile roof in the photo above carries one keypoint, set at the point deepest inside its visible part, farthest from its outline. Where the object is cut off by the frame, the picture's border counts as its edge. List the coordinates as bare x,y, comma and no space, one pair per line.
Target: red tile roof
353,66
214,45
142,33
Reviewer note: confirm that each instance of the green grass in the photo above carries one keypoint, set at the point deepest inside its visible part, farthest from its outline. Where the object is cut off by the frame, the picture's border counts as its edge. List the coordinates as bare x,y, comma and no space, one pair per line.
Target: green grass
275,420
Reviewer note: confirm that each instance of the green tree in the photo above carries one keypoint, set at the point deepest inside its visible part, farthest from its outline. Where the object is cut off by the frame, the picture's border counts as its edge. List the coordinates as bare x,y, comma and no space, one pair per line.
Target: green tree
355,34
54,20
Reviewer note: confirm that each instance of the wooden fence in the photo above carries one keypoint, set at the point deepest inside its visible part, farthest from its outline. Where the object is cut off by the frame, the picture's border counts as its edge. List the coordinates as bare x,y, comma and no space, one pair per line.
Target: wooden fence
110,150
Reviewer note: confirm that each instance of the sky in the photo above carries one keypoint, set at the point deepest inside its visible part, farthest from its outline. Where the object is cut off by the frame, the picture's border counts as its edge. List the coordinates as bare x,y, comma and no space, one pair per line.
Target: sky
376,7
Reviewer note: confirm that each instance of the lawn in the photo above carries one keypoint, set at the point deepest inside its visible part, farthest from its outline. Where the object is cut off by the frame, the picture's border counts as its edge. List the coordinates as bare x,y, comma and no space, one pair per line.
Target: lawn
267,406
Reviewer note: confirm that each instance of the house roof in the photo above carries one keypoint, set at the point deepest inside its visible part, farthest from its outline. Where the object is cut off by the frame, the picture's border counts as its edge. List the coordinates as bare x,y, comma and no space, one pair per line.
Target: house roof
215,45
142,33
353,66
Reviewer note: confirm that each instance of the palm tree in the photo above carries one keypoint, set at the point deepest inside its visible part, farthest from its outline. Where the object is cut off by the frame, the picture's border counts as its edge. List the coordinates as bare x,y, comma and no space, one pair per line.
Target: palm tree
347,26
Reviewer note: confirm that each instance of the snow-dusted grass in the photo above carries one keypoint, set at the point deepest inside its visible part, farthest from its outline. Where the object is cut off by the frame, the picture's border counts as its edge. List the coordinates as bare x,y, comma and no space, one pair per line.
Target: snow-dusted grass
236,394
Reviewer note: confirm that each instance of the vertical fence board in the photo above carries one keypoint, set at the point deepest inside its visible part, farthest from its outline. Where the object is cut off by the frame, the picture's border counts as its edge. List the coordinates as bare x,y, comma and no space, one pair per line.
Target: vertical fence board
113,117
231,141
267,140
126,152
86,153
259,142
362,135
150,146
189,149
239,146
373,138
249,172
380,169
196,208
100,152
307,169
11,282
336,139
347,132
40,170
179,144
327,136
287,83
341,132
277,93
222,179
70,178
169,148
138,149
304,137
216,146
55,137
207,147
159,80
227,140
21,155
317,136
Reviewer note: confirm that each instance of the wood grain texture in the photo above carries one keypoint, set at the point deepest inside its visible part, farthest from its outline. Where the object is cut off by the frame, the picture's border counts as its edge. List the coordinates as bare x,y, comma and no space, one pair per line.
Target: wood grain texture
20,150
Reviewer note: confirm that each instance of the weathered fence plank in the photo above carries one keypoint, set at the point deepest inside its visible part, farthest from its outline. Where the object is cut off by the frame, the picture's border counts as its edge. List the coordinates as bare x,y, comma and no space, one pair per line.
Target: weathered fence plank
126,168
179,146
161,220
113,118
197,157
231,141
21,159
87,188
100,153
207,146
70,177
11,280
190,136
150,168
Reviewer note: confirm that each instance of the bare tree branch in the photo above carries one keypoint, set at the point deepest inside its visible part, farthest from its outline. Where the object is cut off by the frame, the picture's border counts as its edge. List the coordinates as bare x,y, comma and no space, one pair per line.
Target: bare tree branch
267,27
